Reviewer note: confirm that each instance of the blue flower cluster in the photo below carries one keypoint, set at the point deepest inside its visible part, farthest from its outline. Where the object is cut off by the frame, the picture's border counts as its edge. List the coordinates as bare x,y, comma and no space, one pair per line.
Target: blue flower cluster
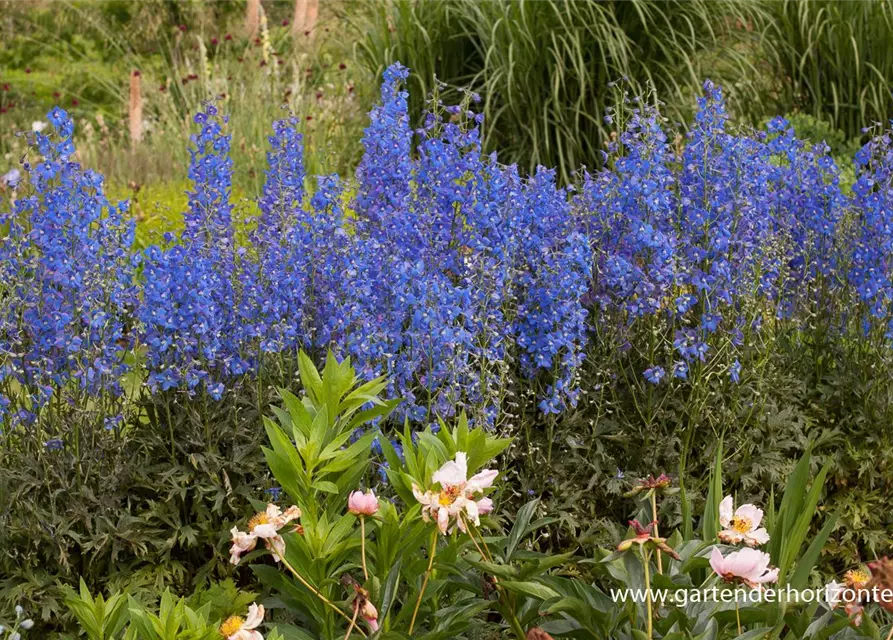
68,292
448,272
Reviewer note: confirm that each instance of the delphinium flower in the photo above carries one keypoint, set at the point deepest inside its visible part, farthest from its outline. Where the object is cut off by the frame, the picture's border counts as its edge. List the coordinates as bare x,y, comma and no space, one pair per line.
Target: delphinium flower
460,498
271,309
65,259
869,271
741,524
383,176
807,205
263,526
654,374
334,288
386,240
189,309
629,214
553,279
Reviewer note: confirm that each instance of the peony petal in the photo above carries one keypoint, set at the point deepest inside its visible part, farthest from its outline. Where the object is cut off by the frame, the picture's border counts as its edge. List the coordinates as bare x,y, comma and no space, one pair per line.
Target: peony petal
423,498
443,519
451,474
730,536
751,513
255,617
266,531
725,511
471,508
482,480
718,562
757,537
273,511
485,506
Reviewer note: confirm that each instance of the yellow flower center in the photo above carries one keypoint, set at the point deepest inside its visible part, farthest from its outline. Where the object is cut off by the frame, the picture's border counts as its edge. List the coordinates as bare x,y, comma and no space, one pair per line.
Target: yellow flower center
856,578
257,520
741,525
448,496
231,626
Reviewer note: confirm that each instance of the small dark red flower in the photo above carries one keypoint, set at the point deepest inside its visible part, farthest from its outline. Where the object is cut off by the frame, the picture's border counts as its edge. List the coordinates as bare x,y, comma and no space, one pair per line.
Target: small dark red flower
136,74
263,63
228,37
162,88
182,28
75,102
214,42
285,23
309,117
6,87
342,66
56,95
27,69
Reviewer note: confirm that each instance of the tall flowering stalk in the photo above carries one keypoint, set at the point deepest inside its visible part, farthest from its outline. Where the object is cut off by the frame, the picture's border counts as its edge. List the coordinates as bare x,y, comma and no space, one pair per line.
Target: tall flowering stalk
64,325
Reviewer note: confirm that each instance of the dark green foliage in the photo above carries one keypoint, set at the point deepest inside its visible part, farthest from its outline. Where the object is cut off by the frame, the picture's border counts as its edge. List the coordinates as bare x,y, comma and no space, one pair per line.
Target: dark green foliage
832,399
130,509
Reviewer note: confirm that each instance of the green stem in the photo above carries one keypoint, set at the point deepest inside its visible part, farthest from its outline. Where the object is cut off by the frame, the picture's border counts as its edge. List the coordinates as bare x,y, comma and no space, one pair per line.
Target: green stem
738,618
418,601
646,566
363,546
660,568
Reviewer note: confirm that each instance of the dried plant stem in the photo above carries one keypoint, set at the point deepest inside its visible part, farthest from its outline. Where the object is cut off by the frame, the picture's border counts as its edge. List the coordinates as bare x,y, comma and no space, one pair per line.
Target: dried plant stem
353,621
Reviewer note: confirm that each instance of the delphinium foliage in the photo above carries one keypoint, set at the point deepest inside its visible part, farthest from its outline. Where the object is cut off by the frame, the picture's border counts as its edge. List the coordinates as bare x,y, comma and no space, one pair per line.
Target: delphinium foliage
719,282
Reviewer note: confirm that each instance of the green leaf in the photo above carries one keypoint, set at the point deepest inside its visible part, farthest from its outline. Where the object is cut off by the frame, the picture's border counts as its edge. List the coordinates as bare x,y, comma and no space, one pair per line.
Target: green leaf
533,589
710,521
325,486
519,529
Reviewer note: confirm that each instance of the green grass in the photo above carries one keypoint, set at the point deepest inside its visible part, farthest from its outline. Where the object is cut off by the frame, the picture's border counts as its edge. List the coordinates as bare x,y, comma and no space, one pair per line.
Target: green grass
837,57
544,67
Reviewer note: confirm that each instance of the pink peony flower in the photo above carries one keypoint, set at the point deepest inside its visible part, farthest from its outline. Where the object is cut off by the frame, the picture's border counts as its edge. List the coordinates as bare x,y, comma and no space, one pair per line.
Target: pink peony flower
263,526
362,504
747,566
456,499
238,628
741,525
